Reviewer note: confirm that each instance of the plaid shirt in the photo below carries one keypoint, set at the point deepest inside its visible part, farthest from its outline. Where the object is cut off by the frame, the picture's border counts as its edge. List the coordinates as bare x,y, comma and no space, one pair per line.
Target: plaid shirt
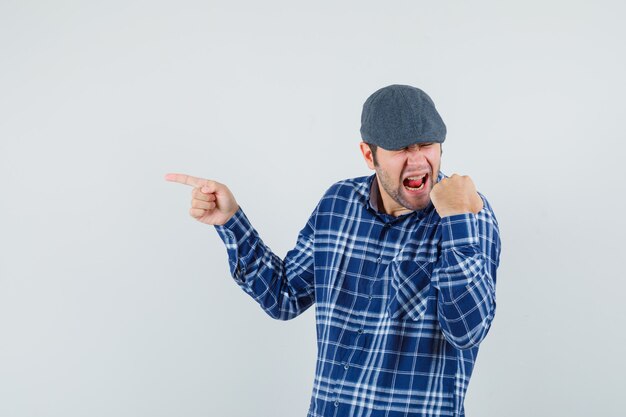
402,303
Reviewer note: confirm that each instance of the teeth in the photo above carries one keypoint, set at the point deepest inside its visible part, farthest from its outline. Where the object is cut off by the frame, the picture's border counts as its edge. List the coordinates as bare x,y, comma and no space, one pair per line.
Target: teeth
416,178
423,178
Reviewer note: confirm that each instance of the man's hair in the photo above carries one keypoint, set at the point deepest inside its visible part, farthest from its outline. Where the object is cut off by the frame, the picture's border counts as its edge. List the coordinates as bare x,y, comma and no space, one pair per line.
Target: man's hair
373,148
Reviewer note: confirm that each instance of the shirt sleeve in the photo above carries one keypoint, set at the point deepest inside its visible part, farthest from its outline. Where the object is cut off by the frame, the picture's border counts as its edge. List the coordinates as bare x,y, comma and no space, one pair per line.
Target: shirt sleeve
284,288
465,276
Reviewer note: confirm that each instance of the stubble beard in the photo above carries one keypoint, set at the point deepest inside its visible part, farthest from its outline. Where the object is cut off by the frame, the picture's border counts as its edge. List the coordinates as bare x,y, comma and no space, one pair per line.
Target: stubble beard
396,193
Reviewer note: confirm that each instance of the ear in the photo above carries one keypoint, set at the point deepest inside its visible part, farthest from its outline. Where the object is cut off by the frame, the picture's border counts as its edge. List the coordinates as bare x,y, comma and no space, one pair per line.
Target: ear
367,154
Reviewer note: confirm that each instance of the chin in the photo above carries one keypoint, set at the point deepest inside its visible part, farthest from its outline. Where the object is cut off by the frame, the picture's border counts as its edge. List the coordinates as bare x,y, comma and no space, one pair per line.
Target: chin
421,207
413,203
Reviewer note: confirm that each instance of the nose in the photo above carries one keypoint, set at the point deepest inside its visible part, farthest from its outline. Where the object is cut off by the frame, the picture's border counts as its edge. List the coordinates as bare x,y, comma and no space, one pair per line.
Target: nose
415,156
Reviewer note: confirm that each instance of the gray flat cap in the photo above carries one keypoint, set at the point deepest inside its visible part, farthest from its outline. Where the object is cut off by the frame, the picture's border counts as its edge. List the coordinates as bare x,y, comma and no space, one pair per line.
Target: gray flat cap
397,116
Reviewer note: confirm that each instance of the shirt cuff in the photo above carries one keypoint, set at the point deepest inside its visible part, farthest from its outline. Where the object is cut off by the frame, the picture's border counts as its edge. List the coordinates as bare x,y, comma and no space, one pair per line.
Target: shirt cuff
235,229
459,230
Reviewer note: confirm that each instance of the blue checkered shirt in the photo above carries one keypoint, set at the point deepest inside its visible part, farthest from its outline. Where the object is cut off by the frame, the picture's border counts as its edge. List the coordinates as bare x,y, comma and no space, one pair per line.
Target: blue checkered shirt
402,303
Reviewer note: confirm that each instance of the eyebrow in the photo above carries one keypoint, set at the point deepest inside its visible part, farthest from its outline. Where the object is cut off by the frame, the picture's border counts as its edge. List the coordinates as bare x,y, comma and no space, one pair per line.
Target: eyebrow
419,144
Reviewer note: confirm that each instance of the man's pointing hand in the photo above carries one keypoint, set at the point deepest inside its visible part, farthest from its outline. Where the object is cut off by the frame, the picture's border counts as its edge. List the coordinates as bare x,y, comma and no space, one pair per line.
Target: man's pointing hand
211,202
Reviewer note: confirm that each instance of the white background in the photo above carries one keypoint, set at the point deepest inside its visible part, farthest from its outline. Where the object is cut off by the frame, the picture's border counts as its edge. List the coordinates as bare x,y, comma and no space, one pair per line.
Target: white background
114,302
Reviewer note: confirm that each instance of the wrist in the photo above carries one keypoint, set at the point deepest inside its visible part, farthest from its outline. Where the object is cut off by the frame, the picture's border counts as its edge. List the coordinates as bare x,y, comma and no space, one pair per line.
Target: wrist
448,213
231,215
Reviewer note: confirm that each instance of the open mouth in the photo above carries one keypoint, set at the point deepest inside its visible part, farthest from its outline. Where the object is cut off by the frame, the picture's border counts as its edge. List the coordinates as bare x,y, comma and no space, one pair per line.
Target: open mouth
415,183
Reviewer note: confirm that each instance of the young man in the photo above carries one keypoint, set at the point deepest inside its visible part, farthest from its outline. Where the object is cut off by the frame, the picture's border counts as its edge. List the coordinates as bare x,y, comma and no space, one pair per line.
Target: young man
401,266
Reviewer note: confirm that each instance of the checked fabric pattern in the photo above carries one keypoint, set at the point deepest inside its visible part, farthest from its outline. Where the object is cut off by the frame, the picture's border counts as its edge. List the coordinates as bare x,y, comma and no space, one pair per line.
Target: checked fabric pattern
402,303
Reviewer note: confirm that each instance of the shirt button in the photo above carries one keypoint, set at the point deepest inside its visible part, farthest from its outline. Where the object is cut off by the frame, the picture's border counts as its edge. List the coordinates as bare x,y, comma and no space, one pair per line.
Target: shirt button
336,403
360,331
369,297
345,366
379,260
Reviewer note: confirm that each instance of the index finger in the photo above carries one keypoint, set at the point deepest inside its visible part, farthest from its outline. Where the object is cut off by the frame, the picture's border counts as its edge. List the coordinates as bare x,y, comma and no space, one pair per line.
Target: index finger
186,179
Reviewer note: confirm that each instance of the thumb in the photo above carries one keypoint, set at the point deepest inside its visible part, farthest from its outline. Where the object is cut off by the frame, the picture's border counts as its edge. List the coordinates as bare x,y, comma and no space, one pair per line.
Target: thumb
209,187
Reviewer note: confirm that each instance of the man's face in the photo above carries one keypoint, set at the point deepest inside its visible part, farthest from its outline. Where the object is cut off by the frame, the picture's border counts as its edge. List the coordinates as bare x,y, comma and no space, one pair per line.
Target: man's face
401,172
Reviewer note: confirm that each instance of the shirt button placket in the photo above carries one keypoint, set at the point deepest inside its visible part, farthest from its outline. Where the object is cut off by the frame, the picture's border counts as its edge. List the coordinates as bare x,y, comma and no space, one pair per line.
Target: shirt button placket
360,331
383,230
379,260
336,395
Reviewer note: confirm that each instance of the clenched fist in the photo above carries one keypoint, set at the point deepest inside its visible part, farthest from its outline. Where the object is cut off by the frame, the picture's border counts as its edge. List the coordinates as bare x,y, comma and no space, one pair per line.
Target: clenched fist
456,195
211,202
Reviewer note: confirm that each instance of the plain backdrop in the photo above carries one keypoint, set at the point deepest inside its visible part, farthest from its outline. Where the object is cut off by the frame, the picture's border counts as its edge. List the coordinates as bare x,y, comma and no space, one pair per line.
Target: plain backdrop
115,302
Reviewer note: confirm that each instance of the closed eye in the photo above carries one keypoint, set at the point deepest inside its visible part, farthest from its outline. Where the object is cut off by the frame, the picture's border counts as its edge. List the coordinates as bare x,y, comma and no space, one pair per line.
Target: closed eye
421,145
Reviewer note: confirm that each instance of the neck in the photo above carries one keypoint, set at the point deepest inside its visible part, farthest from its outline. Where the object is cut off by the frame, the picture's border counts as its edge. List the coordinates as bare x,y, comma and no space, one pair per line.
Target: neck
385,203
